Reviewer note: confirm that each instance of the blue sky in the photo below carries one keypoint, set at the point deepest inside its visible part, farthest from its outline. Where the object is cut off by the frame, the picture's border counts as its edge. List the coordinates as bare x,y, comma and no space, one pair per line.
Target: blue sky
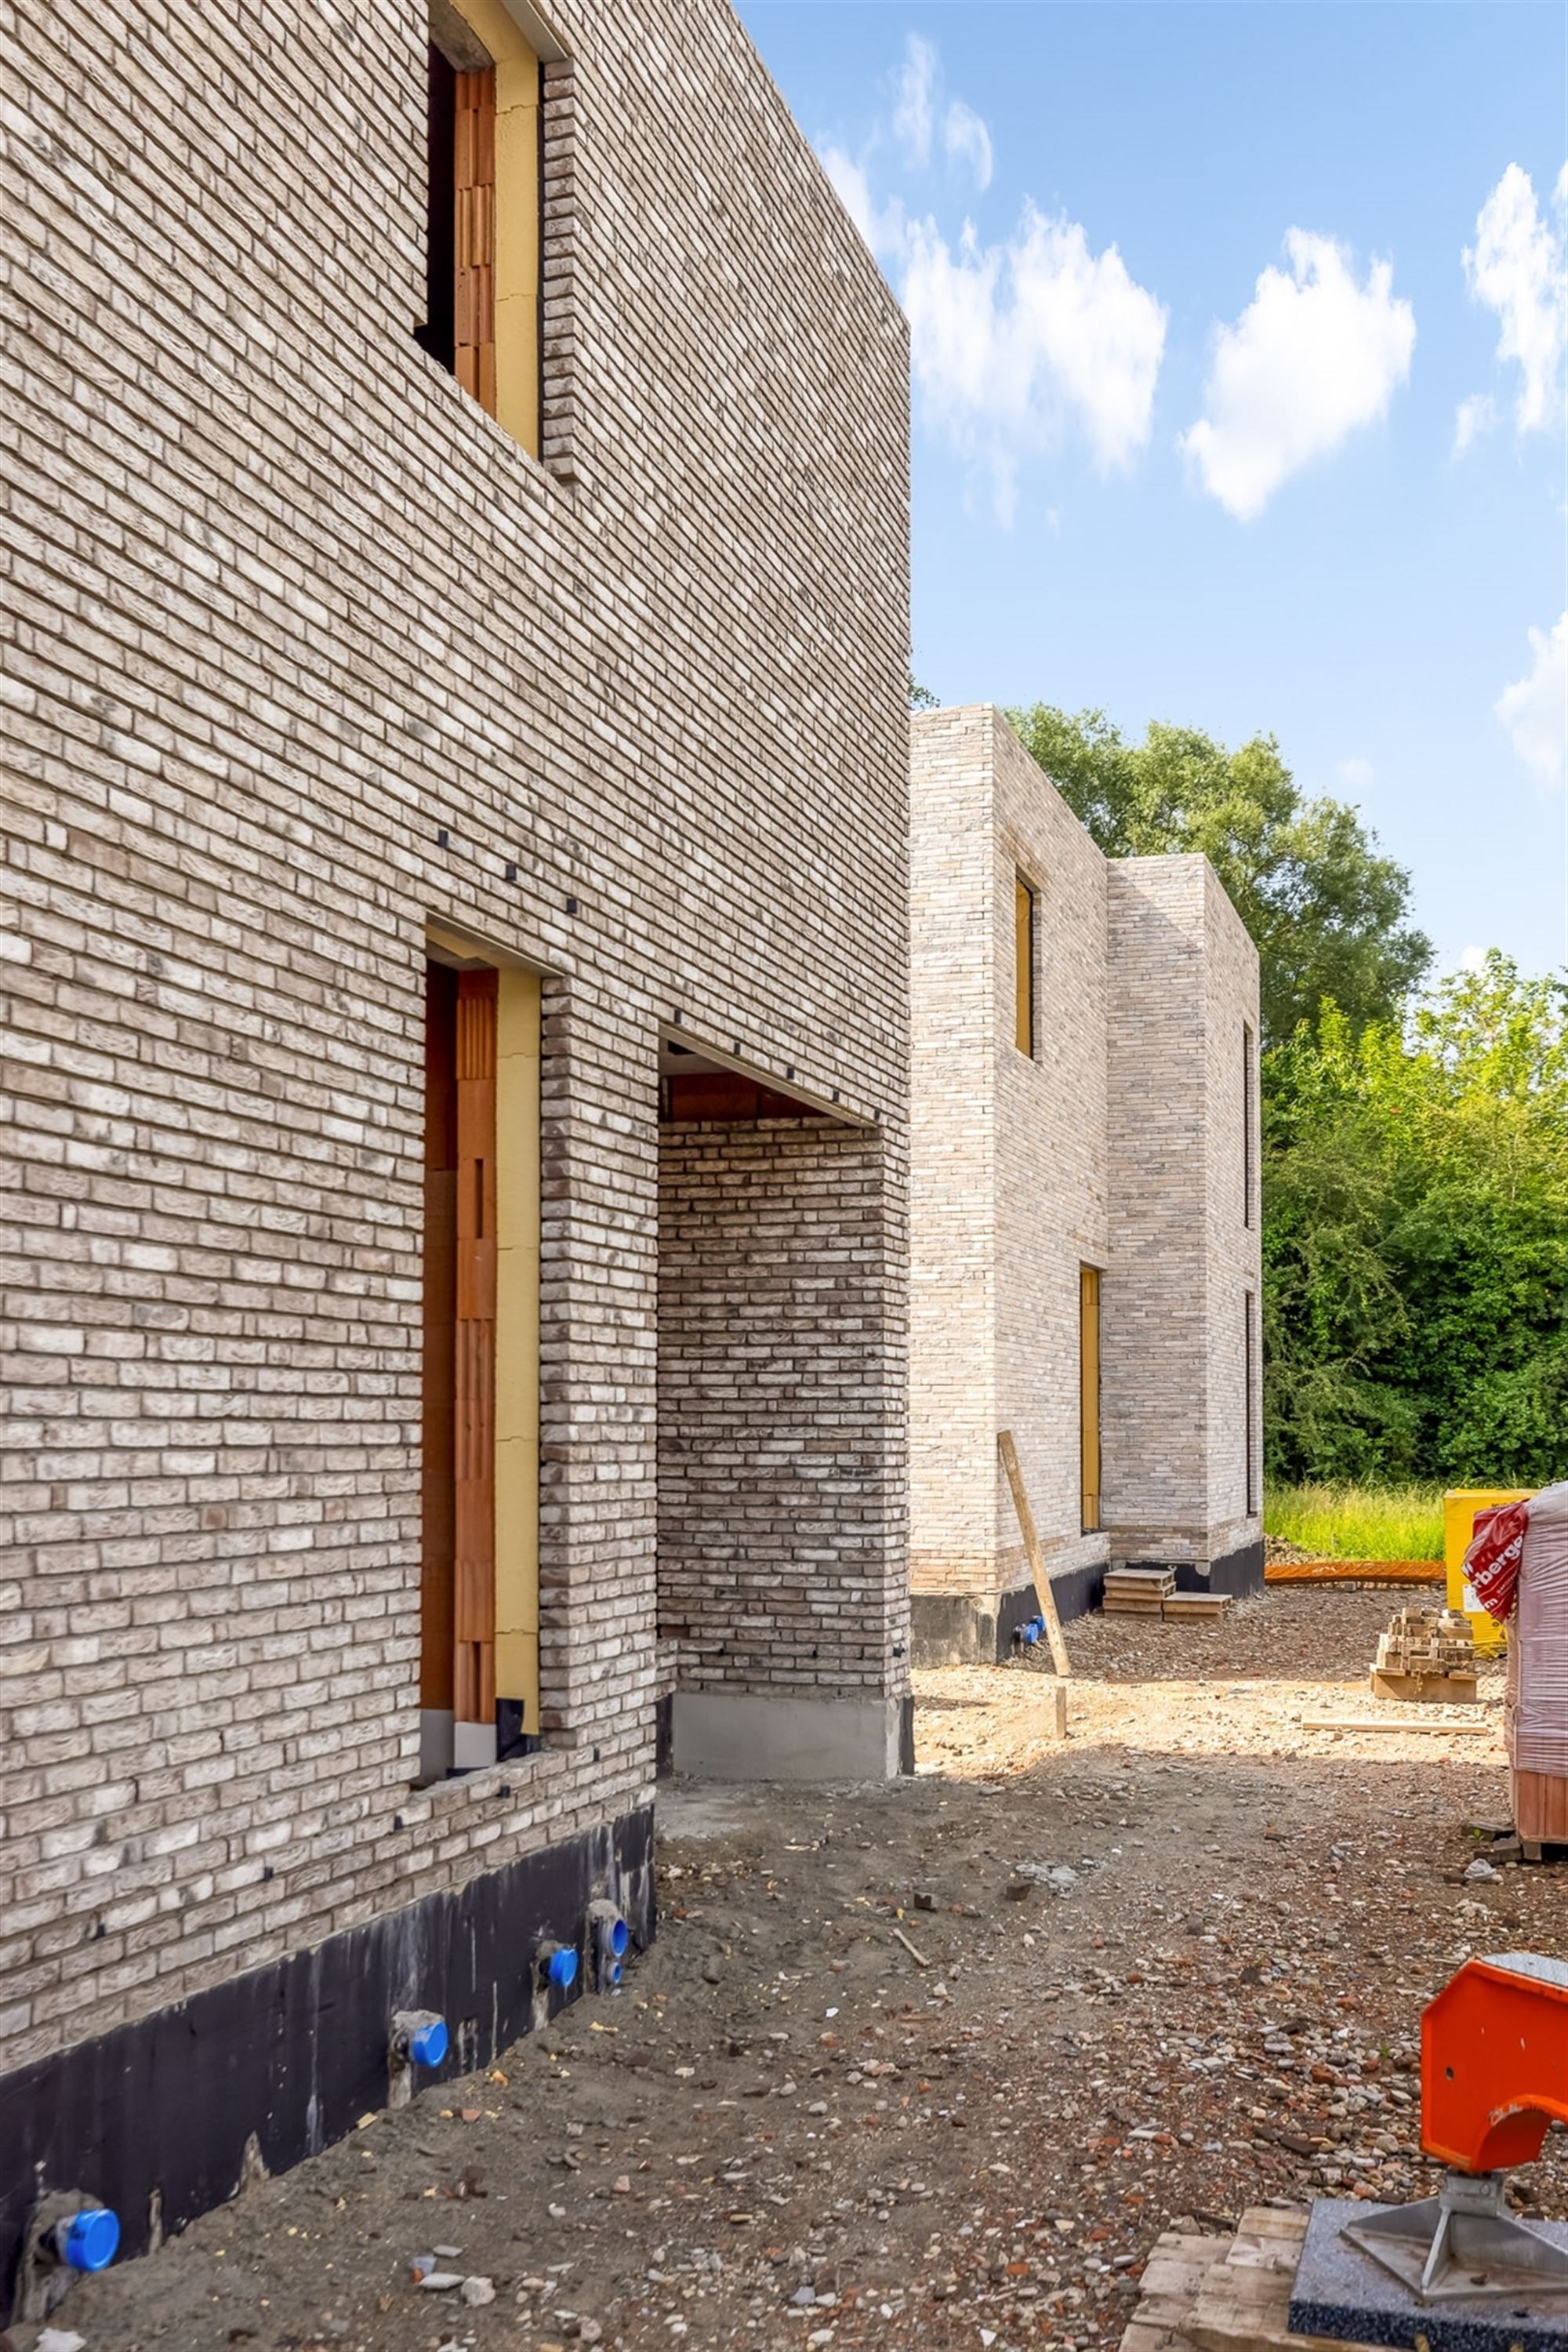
1214,420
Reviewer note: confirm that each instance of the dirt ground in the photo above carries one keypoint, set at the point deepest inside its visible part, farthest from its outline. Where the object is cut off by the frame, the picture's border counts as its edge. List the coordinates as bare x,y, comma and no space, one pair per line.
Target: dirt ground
790,2130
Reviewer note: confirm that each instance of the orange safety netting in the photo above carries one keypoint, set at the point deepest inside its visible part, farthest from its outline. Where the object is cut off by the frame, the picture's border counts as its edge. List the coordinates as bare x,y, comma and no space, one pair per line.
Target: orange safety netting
1353,1572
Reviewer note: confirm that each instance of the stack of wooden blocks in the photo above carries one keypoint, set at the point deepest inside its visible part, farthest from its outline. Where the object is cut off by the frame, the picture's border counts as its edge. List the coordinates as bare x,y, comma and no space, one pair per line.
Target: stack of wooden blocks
1426,1653
1151,1592
1137,1591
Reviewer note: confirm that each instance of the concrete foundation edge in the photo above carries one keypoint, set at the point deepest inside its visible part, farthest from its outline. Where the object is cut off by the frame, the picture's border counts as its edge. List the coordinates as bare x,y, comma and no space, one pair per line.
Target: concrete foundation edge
156,2117
967,1629
756,1736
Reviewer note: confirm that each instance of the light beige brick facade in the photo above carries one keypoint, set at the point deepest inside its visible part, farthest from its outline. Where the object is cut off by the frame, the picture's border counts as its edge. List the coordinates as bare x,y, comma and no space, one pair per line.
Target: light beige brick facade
300,654
1116,1144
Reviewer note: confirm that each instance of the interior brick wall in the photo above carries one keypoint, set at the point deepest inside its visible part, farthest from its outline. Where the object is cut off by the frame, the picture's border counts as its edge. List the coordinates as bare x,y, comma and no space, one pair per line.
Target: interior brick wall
782,1369
281,605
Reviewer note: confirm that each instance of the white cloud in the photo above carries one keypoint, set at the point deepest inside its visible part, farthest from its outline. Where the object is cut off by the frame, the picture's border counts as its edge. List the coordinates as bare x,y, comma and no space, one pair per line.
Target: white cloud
1314,356
914,98
1013,343
1358,773
1534,709
1472,959
966,137
1475,417
852,190
1516,267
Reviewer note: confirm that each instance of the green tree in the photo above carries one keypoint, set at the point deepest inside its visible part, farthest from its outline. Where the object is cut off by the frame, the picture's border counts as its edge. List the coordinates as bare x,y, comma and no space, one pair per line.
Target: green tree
1330,914
1415,1239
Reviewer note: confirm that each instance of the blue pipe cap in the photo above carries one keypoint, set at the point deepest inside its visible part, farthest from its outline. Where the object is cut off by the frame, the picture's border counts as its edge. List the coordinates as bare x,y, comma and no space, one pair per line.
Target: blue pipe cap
428,2044
561,1968
620,1937
90,2239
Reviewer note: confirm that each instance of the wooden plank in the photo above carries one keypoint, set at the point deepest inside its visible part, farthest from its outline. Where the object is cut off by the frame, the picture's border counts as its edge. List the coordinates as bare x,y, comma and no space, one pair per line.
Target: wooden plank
1398,1724
1033,1553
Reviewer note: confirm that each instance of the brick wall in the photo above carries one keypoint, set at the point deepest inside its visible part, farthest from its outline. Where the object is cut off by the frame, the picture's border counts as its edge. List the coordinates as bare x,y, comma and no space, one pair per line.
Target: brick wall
1185,979
953,999
1116,1145
281,604
1051,1175
782,1369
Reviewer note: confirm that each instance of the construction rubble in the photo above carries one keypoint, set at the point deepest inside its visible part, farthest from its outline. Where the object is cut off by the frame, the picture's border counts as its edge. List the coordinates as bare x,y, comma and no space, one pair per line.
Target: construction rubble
939,2062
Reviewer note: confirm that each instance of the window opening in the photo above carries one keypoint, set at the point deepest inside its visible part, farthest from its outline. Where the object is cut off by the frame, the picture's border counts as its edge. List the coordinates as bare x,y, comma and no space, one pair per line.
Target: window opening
1251,1370
1088,1396
479,1668
1023,966
484,202
1248,1122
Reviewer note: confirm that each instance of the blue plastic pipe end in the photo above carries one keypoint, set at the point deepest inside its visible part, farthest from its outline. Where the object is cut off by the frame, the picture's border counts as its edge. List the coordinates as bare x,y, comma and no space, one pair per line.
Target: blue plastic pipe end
90,2239
620,1937
613,1973
561,1968
428,2044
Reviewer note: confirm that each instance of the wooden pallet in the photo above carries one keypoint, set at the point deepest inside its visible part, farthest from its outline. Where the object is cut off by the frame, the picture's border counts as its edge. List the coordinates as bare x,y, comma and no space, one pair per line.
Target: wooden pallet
1429,1690
1126,1604
1225,2295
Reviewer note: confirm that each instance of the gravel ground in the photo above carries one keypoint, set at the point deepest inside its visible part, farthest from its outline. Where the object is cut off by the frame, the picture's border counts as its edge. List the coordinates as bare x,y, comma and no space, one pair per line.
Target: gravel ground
787,2131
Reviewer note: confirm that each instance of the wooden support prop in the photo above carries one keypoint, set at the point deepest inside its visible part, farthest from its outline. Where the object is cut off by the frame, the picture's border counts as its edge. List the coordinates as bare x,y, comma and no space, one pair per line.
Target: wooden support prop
1035,1556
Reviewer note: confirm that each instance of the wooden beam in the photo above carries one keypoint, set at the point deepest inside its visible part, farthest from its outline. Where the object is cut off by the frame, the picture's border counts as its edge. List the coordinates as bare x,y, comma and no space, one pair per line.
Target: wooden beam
1037,1558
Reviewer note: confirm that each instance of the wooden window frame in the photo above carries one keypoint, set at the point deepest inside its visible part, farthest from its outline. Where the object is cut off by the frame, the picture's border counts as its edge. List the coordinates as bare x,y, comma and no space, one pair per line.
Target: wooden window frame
1090,1397
485,207
1025,948
479,1664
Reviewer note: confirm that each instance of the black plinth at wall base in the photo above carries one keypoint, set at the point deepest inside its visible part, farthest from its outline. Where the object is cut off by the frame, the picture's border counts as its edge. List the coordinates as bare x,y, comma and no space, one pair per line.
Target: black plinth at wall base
1342,2292
1239,1572
155,2118
961,1629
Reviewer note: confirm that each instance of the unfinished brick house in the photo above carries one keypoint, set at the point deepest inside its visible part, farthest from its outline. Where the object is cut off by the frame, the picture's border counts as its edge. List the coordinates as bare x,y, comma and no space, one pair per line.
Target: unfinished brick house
455,1130
1084,1212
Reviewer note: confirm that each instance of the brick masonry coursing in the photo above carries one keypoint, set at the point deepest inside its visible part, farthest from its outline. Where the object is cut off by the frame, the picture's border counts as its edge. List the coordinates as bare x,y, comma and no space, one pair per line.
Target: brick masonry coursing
1116,1144
282,605
783,1535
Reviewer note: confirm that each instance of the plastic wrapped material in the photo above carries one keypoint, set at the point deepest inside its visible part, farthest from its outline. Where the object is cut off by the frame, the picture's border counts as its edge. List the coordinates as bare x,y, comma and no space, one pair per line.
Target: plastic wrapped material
1537,1705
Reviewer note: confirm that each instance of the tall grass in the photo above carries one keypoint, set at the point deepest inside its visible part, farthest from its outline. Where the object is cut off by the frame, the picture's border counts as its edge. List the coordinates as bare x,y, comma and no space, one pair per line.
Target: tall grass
1357,1522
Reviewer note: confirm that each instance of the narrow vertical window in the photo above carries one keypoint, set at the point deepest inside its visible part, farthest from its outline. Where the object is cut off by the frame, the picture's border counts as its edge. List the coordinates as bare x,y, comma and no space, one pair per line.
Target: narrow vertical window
437,1372
1088,1395
474,237
474,1398
1023,966
479,1662
1248,1123
483,208
1249,1308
